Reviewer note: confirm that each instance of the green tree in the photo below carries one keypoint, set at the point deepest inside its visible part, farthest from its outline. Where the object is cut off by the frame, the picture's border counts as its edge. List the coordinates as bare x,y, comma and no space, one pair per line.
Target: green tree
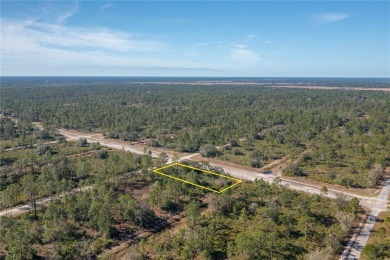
42,149
127,206
208,150
163,158
352,206
19,242
293,170
9,129
306,224
324,190
30,189
193,212
100,218
370,251
175,158
14,191
100,154
82,142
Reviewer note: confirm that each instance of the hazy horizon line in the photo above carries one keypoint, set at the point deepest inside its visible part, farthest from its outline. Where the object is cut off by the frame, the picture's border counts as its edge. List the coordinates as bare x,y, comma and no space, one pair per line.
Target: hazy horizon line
126,76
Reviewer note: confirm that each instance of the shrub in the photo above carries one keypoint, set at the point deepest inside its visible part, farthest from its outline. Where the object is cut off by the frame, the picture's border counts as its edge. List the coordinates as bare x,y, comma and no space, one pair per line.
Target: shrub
236,151
293,170
255,163
42,149
60,138
82,142
208,150
100,154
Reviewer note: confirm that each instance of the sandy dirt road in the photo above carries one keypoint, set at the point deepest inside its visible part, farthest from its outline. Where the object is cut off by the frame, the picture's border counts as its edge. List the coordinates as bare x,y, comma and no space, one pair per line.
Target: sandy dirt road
360,237
374,204
358,240
110,143
24,208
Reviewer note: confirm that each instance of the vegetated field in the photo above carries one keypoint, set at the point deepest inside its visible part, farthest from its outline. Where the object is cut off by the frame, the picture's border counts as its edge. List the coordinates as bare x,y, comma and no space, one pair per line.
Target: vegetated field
160,217
77,225
257,221
11,157
378,246
29,172
128,203
346,133
191,175
257,153
20,134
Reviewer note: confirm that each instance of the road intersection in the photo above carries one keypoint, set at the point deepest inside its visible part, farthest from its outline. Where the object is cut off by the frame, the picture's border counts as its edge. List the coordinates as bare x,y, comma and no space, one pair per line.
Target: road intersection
374,204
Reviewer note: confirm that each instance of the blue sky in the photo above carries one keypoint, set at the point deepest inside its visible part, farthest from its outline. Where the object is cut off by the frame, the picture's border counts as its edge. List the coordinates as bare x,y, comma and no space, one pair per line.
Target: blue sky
196,38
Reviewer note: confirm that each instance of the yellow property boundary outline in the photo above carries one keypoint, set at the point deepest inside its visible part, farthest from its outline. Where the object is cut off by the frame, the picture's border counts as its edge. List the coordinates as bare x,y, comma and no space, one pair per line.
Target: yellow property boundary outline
158,171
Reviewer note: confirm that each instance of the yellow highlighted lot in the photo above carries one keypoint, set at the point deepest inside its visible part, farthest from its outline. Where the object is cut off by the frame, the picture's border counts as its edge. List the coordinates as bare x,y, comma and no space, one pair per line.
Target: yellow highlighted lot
158,171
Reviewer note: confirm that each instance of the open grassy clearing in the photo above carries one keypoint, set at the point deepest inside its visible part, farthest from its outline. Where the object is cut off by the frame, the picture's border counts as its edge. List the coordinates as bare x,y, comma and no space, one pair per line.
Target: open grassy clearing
203,179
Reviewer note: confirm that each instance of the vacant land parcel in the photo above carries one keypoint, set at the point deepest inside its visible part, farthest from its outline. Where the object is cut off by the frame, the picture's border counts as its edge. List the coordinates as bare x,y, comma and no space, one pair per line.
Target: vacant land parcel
200,178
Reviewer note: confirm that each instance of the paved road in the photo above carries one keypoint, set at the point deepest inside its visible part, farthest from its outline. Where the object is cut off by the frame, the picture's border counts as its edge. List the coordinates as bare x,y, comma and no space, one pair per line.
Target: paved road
357,242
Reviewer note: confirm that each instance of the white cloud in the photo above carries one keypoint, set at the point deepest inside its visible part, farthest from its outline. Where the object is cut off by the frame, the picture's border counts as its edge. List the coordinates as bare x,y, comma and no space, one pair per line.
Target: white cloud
330,17
44,44
19,36
67,14
106,6
242,55
28,45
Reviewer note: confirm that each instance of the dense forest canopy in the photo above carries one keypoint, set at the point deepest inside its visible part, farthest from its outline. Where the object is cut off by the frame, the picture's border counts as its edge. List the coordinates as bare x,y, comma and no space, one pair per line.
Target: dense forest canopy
346,134
126,203
102,198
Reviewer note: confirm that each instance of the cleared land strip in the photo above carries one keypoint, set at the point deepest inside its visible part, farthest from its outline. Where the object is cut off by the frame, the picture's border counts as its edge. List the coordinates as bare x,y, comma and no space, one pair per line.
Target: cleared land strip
331,88
110,143
212,83
24,208
373,203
